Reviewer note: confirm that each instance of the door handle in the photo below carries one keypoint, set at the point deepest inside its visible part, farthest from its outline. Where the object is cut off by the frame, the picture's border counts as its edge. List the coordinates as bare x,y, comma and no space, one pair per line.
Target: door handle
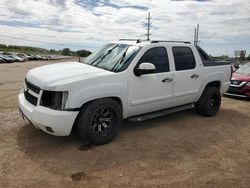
167,80
195,76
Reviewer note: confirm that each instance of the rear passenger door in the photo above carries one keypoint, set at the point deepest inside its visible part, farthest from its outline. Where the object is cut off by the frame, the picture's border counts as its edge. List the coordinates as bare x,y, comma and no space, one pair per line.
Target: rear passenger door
187,75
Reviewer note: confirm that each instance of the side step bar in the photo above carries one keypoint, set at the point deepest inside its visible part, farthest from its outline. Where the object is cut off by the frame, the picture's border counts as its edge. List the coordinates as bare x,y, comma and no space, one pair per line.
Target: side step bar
147,116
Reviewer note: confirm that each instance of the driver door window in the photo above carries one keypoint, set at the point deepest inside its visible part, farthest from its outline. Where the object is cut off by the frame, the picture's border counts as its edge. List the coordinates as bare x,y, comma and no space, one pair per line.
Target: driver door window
158,57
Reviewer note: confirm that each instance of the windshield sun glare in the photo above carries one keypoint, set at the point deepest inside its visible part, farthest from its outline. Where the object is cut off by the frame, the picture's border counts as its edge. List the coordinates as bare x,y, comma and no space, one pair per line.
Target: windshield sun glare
113,57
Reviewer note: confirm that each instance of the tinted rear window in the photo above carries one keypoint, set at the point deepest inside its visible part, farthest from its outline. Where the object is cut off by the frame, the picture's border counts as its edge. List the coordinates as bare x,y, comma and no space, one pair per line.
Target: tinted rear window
184,58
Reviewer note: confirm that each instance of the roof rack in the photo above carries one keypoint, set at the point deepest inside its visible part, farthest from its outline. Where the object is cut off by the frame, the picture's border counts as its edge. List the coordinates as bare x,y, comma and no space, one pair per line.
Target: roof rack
137,40
157,41
129,39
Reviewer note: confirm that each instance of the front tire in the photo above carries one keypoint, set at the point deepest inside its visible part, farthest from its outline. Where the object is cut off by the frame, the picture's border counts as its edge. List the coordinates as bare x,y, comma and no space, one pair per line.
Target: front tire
209,103
99,121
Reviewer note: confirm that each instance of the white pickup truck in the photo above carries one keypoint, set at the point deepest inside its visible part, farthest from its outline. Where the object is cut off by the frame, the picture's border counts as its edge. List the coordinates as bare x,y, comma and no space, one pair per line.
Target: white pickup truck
127,79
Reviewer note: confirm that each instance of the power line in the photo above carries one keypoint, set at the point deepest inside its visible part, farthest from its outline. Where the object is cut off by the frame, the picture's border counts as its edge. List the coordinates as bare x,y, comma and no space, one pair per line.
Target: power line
38,41
18,38
148,26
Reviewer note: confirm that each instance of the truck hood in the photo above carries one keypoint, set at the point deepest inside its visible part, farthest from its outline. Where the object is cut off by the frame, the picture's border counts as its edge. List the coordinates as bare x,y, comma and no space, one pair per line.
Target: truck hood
61,73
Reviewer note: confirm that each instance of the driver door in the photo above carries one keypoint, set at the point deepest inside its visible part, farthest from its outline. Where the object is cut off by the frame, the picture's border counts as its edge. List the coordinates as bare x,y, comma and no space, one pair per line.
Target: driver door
153,91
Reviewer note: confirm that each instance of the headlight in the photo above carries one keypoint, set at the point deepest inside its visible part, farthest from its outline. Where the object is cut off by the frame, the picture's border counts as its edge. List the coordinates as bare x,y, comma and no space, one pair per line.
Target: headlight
55,100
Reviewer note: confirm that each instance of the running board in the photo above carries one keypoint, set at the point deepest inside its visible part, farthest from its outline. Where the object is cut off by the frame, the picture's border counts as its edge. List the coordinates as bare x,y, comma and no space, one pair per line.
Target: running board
147,116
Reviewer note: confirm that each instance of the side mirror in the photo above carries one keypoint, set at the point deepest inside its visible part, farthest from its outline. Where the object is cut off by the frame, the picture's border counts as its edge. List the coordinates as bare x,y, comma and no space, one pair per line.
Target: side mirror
144,68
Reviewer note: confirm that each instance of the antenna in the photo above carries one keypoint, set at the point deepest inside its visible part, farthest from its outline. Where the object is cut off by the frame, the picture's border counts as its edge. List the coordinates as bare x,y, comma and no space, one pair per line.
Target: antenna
195,31
196,35
148,26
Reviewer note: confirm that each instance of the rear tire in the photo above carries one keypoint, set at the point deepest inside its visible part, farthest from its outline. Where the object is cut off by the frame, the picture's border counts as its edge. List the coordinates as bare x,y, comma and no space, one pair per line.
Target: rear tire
209,103
99,121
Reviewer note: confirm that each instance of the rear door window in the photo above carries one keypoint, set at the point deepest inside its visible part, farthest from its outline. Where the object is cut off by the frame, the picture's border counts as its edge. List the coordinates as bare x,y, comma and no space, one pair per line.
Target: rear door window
183,58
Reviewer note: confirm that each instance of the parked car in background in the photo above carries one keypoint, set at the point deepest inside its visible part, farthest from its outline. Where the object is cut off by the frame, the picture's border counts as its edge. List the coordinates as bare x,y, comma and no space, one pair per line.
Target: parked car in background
24,56
37,57
9,57
6,58
2,60
240,82
31,57
14,57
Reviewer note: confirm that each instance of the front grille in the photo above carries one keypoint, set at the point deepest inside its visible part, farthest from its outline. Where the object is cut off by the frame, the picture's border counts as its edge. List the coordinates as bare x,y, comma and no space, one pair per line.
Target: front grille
234,90
32,87
30,98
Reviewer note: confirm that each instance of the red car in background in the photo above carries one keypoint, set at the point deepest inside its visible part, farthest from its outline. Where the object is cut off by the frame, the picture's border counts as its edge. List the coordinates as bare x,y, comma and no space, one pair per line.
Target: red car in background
240,82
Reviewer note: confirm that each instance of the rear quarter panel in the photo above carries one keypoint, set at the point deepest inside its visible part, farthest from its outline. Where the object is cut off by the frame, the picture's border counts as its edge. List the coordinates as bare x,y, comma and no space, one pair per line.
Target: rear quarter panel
220,73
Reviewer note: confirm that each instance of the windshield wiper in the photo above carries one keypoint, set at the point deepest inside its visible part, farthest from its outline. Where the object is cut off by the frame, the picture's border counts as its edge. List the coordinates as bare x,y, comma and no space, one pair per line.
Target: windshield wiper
120,60
103,56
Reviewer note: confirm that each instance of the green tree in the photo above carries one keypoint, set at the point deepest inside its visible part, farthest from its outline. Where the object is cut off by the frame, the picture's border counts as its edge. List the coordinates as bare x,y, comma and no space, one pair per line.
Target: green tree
66,52
53,51
83,53
3,46
248,58
220,58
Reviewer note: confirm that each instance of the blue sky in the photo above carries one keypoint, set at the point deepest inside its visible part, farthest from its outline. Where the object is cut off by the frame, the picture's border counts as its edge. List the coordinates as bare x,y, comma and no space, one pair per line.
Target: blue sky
88,24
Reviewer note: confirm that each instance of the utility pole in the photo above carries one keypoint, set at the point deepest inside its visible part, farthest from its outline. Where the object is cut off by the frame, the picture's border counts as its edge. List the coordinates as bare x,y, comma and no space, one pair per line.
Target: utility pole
148,26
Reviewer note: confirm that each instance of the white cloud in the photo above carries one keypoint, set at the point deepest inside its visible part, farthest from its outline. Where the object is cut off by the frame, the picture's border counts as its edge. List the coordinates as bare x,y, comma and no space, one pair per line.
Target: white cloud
67,22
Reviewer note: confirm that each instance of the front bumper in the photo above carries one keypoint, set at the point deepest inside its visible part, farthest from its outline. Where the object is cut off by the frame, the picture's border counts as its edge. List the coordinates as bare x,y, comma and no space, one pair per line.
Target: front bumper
58,123
243,92
237,95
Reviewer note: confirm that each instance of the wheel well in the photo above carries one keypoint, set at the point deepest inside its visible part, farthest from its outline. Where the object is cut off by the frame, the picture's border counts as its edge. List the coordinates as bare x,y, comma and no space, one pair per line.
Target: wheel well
117,99
216,84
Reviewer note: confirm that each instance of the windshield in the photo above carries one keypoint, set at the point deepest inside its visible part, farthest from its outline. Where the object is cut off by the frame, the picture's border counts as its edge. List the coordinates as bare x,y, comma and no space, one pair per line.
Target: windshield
245,69
113,57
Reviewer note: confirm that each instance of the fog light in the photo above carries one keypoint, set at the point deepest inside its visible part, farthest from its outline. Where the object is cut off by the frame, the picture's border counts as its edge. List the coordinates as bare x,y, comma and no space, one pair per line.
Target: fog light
49,129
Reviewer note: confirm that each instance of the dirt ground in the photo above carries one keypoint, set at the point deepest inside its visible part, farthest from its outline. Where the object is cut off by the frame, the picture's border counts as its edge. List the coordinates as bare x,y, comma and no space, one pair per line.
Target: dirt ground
178,150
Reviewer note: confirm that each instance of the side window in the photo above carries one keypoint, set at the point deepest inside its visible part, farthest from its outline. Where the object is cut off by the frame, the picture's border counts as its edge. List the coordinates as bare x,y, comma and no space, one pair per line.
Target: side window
157,56
183,58
203,54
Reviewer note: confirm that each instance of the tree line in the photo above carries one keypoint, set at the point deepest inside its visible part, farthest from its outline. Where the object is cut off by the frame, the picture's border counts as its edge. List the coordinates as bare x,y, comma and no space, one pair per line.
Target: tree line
79,53
43,51
226,57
